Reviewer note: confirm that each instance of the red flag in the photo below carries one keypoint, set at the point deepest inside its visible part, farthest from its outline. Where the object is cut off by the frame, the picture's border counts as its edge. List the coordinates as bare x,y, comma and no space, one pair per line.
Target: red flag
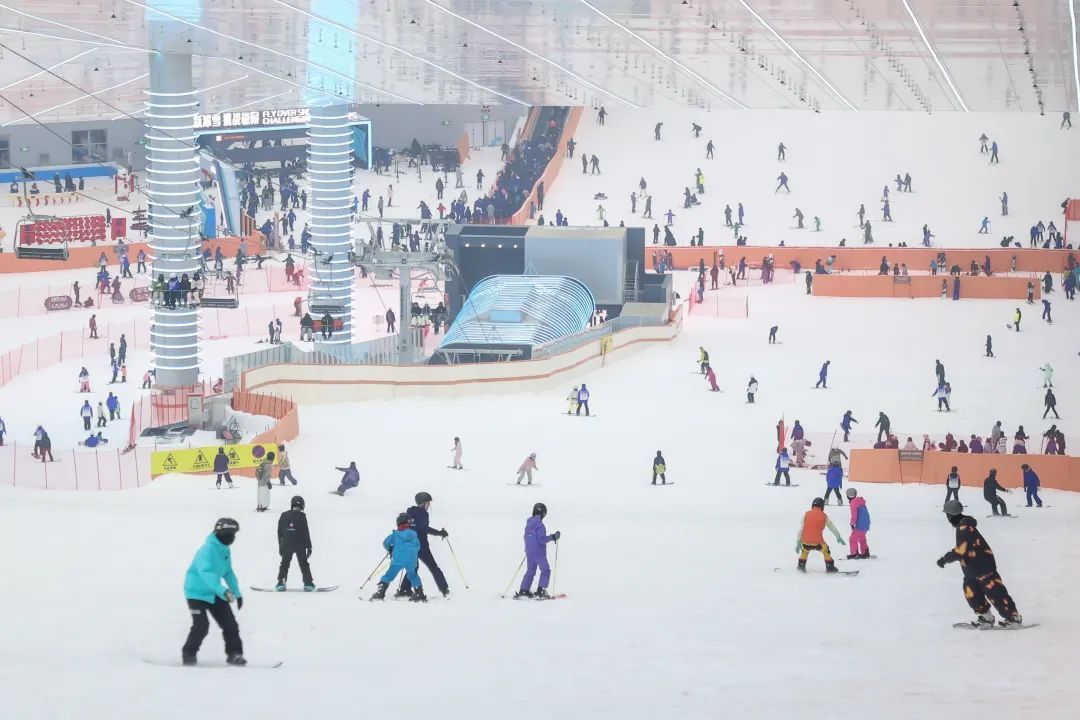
780,435
131,432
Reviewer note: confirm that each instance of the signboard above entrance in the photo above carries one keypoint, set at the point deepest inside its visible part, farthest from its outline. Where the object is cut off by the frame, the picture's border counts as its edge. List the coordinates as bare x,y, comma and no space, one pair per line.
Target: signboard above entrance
257,119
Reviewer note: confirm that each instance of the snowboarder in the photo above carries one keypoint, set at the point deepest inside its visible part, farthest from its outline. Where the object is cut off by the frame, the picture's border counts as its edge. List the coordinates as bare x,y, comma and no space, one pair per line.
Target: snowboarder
420,523
583,400
659,468
772,334
205,595
781,152
982,583
87,414
823,375
952,485
656,130
571,400
1048,375
1046,312
536,540
703,359
526,468
1050,401
883,424
456,450
84,380
860,525
751,389
263,483
991,487
221,467
810,536
834,480
294,538
1031,485
846,423
710,376
349,480
403,546
783,463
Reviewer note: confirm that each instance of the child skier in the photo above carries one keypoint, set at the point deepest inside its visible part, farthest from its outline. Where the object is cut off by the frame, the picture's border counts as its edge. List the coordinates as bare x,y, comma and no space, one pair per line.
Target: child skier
294,538
1031,485
990,493
982,583
263,483
571,400
536,540
403,547
834,480
527,468
810,536
457,455
783,462
860,525
205,594
659,467
952,485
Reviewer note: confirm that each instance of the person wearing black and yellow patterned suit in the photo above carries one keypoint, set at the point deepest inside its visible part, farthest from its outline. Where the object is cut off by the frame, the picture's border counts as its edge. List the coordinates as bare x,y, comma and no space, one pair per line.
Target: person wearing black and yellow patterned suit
983,585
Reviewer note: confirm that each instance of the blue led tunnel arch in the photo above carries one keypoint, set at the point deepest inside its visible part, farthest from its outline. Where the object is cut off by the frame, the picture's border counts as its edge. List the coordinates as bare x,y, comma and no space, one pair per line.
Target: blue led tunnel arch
522,309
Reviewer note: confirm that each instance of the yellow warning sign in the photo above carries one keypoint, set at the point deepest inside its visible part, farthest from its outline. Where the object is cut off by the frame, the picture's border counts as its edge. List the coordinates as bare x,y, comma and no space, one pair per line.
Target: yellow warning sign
201,459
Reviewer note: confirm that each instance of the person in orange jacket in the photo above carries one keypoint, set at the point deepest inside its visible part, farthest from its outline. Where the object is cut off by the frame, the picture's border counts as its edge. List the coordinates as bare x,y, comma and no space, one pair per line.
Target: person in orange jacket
811,533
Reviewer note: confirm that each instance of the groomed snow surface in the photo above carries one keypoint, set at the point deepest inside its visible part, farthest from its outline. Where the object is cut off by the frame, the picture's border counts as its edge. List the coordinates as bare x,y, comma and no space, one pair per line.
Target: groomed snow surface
674,608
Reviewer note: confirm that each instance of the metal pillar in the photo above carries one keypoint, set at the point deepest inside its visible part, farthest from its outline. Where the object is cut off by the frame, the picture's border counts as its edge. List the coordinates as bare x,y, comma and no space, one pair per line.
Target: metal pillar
329,171
405,344
172,188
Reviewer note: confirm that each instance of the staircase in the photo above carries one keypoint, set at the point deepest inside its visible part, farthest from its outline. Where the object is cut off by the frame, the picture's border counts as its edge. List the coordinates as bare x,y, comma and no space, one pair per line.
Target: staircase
631,291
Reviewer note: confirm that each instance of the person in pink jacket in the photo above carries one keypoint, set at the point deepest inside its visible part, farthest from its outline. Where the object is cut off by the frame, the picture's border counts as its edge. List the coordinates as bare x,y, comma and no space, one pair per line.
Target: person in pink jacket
860,525
527,468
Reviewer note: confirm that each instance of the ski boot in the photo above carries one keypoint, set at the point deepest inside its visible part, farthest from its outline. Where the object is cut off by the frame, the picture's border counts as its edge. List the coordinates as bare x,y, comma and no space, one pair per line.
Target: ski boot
446,593
984,621
522,594
380,593
1016,619
236,659
280,587
418,596
830,567
853,556
865,555
309,587
188,660
402,593
542,594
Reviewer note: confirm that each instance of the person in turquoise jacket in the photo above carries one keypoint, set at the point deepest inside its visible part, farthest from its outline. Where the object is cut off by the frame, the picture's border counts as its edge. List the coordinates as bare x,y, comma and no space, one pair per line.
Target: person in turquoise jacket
403,546
205,594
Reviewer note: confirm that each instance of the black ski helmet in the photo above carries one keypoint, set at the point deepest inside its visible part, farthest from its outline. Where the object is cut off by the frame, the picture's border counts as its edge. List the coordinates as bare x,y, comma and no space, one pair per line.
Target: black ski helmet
818,503
225,530
403,519
540,509
297,502
953,507
422,497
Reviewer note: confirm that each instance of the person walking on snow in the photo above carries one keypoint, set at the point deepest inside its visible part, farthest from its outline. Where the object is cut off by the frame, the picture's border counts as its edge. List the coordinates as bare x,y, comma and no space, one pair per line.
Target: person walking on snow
583,400
1048,375
846,423
783,464
991,488
1016,319
421,524
294,539
284,466
87,414
84,380
536,540
1046,312
823,376
403,547
834,480
883,424
221,467
1031,485
751,389
101,420
989,346
659,468
860,525
456,450
811,536
952,485
983,585
205,594
263,483
526,468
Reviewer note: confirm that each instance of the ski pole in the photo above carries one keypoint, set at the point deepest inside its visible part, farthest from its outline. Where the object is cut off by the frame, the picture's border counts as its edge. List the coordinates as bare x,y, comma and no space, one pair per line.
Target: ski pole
381,561
555,569
520,565
454,555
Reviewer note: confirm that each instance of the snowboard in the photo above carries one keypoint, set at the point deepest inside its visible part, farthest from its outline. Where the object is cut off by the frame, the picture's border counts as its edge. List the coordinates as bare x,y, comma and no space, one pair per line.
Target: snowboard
660,484
779,485
576,415
849,573
328,588
871,557
988,628
514,484
451,467
212,664
1002,516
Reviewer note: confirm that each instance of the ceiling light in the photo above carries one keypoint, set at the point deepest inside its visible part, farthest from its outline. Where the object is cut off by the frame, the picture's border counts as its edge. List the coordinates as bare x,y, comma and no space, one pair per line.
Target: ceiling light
664,55
69,27
73,40
83,96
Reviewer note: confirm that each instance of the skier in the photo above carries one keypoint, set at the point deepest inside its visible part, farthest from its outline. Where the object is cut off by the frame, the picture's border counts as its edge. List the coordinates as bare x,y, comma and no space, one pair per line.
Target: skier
656,130
583,400
349,480
798,217
403,547
710,376
883,424
823,376
782,178
84,380
989,346
942,397
845,424
984,226
456,450
221,467
783,463
834,480
994,153
1050,401
87,414
703,359
751,389
939,371
418,516
772,334
1031,485
527,468
536,540
1046,312
710,149
101,420
982,583
1048,375
860,525
952,485
659,467
571,399
781,152
991,487
263,483
294,538
810,536
204,594
861,214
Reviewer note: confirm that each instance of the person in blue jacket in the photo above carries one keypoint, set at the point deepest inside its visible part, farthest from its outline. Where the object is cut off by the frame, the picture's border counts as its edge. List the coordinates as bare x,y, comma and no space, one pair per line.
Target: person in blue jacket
834,479
582,400
1031,485
221,467
823,375
783,462
349,480
403,546
846,423
206,595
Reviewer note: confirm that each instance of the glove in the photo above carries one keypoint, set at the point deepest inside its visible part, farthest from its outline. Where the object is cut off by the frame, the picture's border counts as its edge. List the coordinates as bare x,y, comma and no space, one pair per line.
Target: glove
239,603
229,597
555,536
941,562
798,546
443,533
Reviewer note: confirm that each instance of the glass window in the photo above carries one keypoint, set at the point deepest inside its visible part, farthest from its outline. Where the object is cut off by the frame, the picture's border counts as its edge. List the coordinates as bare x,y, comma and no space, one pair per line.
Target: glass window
88,146
5,153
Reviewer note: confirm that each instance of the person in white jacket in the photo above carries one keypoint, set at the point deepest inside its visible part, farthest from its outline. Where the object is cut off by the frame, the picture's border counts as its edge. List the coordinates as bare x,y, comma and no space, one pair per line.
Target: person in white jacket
1048,375
263,483
457,455
751,388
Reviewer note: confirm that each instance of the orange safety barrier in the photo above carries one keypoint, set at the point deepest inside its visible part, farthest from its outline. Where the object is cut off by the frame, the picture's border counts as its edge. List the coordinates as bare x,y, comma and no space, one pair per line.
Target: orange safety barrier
284,412
922,286
553,166
869,258
1059,472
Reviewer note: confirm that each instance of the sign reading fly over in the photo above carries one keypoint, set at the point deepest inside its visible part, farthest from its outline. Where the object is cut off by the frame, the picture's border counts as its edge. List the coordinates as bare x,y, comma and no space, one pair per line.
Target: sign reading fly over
253,118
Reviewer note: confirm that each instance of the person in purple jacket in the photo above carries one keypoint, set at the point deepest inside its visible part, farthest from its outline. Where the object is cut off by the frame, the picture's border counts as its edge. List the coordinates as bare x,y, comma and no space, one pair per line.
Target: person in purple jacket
536,540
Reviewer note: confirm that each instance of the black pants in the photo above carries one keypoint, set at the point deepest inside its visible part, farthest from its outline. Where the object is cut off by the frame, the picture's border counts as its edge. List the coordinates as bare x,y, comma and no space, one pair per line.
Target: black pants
1033,494
227,477
1051,408
101,421
112,414
663,477
882,431
995,503
428,559
749,397
981,592
787,477
839,498
47,451
200,626
772,336
86,423
942,401
952,494
284,475
301,560
585,404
